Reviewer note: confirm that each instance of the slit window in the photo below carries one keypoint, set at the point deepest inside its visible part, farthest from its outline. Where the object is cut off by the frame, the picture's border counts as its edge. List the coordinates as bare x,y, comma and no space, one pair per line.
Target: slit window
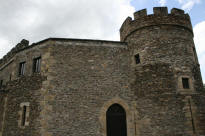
22,67
23,121
1,83
37,65
137,58
185,83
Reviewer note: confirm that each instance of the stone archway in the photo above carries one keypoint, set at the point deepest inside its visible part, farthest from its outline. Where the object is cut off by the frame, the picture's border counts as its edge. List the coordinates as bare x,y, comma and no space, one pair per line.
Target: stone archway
130,125
116,121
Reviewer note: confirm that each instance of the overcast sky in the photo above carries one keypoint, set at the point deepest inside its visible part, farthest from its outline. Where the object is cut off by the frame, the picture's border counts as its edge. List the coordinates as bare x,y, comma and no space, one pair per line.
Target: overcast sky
36,20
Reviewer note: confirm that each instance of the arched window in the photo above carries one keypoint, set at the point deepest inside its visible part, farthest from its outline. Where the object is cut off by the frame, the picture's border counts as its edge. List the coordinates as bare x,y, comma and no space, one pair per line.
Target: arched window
116,121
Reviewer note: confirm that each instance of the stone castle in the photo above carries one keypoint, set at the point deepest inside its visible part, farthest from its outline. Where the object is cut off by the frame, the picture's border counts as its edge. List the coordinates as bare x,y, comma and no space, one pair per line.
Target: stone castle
148,84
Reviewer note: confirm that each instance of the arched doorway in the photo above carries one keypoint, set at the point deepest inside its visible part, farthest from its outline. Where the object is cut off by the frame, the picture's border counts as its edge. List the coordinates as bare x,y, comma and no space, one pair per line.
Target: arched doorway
116,121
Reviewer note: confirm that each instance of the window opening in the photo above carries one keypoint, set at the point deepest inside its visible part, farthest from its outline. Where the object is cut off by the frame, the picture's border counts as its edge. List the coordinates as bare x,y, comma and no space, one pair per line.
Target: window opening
24,116
1,83
37,65
22,68
185,82
137,58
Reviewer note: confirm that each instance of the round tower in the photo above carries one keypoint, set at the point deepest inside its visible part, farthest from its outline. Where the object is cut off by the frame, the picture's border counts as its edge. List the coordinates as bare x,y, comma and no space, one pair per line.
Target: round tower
167,39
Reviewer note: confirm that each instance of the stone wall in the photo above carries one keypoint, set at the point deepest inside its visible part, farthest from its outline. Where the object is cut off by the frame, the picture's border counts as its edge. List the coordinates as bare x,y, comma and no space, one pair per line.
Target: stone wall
84,76
141,20
24,90
18,90
159,107
80,79
161,42
20,46
165,45
3,102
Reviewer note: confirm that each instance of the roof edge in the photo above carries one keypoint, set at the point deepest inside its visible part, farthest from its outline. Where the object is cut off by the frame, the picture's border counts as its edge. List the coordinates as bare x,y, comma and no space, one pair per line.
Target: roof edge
24,44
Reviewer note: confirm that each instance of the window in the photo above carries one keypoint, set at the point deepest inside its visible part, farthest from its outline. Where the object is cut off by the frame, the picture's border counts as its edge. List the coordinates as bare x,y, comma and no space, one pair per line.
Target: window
116,121
185,83
137,58
1,83
37,65
23,119
22,68
24,115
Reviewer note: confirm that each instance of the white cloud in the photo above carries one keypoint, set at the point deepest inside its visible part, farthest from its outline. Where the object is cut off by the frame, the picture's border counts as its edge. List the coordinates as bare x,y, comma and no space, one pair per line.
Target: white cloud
199,39
36,20
188,4
162,2
180,1
4,45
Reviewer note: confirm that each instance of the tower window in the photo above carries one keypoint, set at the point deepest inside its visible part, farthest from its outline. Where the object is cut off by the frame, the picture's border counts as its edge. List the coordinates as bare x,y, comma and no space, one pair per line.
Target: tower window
1,83
23,121
185,83
137,58
37,65
22,68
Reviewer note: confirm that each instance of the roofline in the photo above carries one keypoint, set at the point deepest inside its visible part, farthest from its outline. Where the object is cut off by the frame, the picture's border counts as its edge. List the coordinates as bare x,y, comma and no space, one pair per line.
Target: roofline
60,39
71,39
76,39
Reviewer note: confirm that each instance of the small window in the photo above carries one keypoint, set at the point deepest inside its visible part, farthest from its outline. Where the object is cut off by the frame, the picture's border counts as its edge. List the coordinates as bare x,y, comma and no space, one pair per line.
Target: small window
37,65
137,58
23,121
24,115
1,83
22,68
185,83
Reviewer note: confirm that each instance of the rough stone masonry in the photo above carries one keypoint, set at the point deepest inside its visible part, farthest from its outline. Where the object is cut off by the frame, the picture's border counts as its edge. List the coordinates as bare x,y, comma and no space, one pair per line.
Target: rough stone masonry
148,84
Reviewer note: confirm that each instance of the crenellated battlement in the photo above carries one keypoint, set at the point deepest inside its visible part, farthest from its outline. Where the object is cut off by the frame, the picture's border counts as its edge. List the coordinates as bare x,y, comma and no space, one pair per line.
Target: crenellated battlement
23,44
160,16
